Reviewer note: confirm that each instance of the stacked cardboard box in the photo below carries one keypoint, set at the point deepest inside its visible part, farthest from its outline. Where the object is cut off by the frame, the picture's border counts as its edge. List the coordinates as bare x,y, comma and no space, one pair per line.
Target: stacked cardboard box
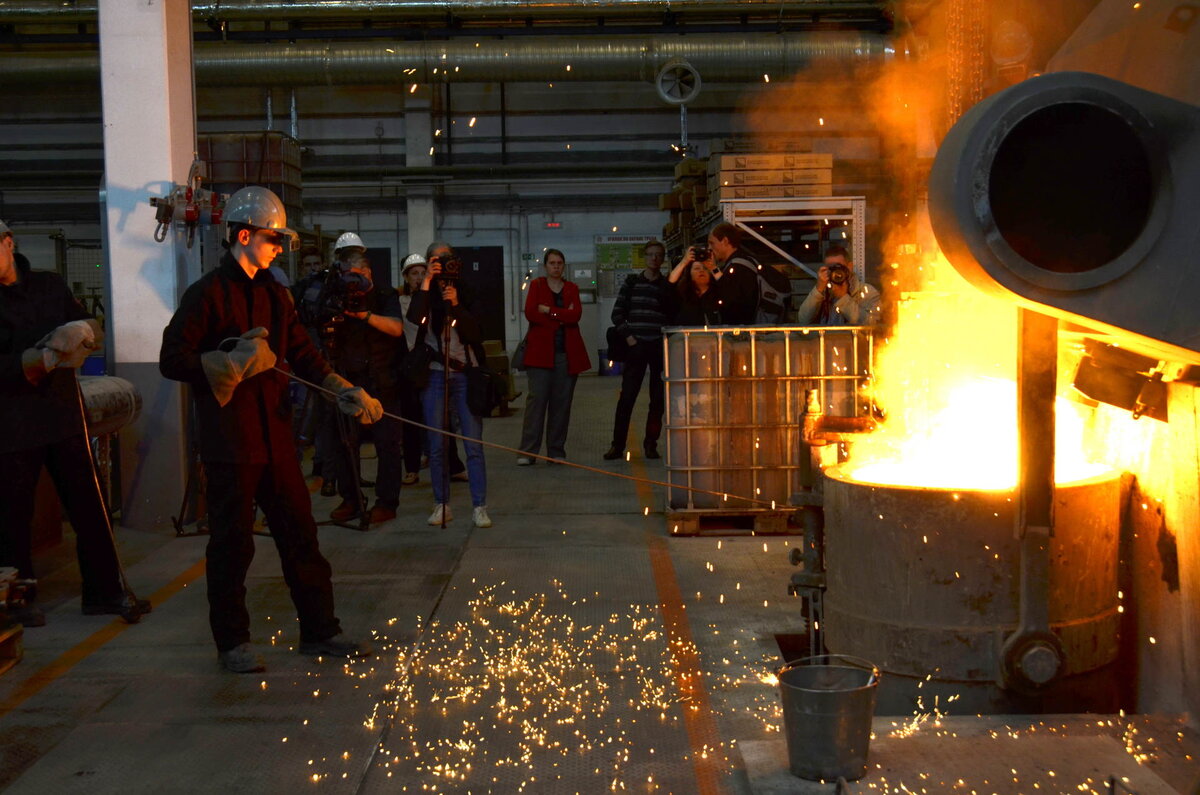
768,175
687,198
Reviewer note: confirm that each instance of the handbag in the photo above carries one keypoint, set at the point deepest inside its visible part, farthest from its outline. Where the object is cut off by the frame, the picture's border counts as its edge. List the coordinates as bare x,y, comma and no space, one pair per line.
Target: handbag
518,357
618,346
414,367
485,392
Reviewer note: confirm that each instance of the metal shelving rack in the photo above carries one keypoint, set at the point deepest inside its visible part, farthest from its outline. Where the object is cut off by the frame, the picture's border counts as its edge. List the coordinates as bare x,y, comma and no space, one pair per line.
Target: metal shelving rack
746,213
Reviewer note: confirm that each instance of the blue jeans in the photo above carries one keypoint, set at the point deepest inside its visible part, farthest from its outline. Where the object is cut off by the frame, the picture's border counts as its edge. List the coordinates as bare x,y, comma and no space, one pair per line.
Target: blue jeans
462,420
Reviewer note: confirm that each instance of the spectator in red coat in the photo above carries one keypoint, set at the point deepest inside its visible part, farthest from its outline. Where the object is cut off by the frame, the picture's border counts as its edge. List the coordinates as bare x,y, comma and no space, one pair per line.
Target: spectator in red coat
555,355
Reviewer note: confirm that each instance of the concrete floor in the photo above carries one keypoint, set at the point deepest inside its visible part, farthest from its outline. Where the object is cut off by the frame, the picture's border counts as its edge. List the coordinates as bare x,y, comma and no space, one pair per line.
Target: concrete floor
572,647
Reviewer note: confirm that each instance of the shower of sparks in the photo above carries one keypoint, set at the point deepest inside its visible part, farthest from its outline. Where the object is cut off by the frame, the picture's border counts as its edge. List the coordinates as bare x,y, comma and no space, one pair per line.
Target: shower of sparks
521,687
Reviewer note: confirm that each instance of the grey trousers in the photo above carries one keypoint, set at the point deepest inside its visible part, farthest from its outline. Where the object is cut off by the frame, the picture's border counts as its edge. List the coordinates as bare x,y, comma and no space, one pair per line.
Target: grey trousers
548,406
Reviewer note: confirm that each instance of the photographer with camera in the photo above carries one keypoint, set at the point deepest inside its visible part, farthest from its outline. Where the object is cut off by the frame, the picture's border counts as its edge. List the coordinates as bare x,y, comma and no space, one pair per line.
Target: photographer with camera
696,299
838,299
449,340
363,345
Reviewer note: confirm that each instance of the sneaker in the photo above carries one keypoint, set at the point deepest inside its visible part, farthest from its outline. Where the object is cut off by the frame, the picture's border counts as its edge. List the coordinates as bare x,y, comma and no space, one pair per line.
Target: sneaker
338,646
127,606
651,449
524,462
410,478
242,659
381,513
479,516
614,453
346,510
440,512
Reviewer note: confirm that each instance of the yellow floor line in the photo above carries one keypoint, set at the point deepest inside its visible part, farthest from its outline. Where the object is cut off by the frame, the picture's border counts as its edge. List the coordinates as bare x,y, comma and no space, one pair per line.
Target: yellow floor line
689,678
43,678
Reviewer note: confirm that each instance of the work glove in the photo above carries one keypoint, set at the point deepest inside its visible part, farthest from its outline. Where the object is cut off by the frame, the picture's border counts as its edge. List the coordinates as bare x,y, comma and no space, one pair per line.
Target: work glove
235,360
353,400
69,344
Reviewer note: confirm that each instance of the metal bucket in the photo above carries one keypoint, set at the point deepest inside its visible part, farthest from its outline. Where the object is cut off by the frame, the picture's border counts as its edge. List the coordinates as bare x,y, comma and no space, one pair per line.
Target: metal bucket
828,704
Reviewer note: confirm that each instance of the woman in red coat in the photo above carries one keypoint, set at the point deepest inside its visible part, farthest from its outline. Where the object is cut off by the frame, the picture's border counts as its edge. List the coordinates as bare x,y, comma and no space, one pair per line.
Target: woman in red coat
555,355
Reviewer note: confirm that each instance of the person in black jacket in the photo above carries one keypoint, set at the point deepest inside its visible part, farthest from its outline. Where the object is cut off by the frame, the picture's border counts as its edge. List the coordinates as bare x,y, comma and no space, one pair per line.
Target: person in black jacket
696,297
365,347
739,281
447,326
231,327
44,336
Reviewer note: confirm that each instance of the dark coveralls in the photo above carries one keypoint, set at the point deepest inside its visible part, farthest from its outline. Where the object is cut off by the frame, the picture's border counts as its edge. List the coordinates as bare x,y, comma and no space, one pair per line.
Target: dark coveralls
368,358
247,448
43,425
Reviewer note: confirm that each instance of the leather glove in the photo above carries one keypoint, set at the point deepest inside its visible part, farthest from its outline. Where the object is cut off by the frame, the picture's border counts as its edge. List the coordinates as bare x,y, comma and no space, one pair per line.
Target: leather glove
354,400
69,344
235,360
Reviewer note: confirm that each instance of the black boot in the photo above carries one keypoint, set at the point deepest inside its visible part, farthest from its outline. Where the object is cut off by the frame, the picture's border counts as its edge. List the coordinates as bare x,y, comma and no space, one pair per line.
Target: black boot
651,449
127,606
614,453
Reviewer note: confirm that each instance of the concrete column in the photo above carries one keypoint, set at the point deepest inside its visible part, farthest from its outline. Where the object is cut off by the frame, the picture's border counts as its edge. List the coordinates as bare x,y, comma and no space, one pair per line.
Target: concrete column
149,142
418,145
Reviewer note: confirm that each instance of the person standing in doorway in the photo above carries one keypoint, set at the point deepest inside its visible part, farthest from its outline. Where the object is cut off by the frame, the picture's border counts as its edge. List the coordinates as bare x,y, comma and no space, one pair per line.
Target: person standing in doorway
555,355
639,316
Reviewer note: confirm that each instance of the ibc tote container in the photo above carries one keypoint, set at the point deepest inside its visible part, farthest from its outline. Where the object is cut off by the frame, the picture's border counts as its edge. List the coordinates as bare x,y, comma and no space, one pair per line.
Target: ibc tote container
734,403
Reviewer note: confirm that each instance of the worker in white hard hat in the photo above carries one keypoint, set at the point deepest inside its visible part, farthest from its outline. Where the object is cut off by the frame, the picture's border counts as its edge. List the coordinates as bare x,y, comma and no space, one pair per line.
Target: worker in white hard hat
347,243
230,329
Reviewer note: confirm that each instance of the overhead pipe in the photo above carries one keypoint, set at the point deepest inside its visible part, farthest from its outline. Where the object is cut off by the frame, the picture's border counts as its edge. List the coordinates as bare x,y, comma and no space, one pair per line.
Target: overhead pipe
719,57
83,11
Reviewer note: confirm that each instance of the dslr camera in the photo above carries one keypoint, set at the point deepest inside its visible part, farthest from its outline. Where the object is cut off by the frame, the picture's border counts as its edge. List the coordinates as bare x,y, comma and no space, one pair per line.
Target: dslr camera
701,253
838,274
334,292
451,268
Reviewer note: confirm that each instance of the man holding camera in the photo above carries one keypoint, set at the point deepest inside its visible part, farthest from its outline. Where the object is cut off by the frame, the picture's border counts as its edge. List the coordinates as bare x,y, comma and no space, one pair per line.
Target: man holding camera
838,299
364,347
224,340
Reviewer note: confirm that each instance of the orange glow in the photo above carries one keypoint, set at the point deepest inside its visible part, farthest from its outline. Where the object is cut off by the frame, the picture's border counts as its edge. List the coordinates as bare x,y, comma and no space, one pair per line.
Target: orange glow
946,379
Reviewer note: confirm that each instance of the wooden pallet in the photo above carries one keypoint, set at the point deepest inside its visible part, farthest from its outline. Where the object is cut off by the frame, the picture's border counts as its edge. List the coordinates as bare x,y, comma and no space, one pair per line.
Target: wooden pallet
705,523
11,646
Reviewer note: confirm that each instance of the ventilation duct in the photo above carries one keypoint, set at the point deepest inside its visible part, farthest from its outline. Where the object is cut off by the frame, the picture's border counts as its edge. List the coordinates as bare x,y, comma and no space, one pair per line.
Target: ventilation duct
82,11
726,57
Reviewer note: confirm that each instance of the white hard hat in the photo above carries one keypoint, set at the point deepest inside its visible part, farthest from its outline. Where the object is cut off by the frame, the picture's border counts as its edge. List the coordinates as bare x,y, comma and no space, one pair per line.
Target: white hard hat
258,207
347,240
410,260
